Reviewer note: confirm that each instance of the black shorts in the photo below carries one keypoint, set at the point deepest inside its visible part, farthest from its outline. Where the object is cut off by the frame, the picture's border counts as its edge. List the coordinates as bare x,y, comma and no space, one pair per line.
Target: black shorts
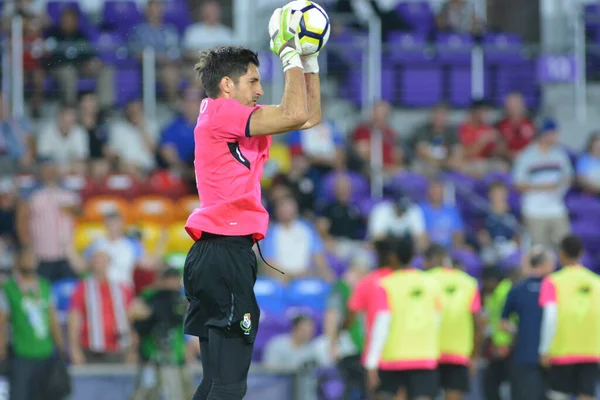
454,377
218,277
574,379
416,382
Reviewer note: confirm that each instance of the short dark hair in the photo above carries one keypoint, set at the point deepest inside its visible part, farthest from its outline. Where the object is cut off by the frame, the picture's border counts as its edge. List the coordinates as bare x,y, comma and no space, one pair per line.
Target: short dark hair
435,251
300,318
382,249
538,256
404,248
571,246
219,62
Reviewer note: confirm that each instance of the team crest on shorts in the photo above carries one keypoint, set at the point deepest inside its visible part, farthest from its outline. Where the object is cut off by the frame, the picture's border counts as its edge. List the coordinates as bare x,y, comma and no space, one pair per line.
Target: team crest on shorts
246,324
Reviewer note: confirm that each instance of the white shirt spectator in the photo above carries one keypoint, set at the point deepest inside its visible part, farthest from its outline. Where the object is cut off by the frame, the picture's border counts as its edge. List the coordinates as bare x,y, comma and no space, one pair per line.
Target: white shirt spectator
127,141
534,167
200,36
282,354
63,149
124,254
384,220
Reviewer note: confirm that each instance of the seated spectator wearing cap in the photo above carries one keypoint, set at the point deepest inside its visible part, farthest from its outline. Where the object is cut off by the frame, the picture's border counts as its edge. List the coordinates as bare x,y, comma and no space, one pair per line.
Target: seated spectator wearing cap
588,165
435,144
124,252
443,221
516,128
45,222
99,329
292,351
543,173
397,219
480,140
293,245
176,145
65,141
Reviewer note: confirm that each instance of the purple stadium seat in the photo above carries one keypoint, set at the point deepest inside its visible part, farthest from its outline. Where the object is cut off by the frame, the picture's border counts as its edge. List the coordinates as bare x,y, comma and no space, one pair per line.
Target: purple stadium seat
337,265
454,48
421,85
120,15
177,14
270,326
517,77
409,184
352,89
330,385
587,230
366,205
590,262
418,262
128,84
86,85
360,186
308,292
418,15
503,48
112,49
583,207
409,48
470,260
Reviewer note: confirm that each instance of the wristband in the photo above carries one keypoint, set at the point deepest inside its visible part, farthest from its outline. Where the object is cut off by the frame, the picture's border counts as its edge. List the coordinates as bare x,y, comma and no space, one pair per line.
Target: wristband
290,59
310,64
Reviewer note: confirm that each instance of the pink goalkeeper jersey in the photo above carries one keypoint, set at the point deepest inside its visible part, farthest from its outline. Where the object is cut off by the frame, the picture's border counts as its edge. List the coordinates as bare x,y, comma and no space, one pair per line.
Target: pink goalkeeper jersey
229,165
363,300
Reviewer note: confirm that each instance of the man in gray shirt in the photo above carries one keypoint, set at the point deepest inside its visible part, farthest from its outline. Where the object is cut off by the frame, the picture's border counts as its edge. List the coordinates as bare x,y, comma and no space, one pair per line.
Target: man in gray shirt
543,173
292,351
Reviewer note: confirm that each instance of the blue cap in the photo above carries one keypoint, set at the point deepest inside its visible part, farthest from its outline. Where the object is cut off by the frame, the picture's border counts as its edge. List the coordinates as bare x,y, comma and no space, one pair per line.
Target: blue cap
548,125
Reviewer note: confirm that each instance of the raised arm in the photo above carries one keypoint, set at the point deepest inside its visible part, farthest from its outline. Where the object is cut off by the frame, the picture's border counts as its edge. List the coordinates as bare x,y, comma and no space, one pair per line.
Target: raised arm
313,94
292,113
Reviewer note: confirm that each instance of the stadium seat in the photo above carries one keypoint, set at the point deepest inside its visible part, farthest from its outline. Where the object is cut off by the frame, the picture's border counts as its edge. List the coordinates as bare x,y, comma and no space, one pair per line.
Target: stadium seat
155,209
121,185
63,291
270,295
271,325
185,206
151,235
165,183
96,208
120,15
86,233
177,14
308,292
178,240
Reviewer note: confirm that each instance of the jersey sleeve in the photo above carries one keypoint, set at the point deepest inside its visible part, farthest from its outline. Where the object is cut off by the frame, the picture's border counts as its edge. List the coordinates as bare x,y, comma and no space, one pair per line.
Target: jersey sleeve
380,300
231,121
476,302
547,292
356,301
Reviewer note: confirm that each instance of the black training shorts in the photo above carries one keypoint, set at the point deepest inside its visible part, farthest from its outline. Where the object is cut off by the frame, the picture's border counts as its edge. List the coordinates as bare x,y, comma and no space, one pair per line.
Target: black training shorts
219,276
454,377
574,379
416,382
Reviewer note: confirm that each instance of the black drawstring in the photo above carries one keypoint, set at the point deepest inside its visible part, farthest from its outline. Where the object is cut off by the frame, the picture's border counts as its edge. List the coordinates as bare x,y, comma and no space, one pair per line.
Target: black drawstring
265,261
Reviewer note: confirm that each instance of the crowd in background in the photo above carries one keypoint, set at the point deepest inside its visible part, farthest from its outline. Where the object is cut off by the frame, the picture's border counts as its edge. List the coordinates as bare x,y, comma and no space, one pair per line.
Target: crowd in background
52,169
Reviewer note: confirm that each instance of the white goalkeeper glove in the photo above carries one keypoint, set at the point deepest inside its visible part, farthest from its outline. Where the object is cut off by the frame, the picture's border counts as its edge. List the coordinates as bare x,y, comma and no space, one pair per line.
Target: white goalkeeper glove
311,63
283,31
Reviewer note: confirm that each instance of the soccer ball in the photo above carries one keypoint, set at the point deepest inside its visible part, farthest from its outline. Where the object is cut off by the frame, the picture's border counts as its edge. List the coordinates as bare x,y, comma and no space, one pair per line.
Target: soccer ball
314,26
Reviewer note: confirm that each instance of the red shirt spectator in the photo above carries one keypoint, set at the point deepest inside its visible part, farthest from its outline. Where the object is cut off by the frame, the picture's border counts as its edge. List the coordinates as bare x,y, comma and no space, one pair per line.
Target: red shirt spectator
478,138
516,129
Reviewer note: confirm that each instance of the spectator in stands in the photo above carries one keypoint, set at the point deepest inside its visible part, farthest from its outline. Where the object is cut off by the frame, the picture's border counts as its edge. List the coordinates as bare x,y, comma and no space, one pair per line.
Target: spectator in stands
291,352
73,55
480,141
362,139
340,222
124,252
8,214
398,219
543,172
435,144
92,120
99,329
303,183
45,222
323,145
516,128
384,9
499,236
208,32
443,222
588,165
33,52
65,141
133,141
176,146
293,245
164,39
26,308
460,16
16,140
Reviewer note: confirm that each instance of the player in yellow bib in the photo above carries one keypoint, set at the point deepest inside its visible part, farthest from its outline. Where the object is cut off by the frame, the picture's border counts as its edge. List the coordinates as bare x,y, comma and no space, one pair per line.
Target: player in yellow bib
402,355
570,337
459,333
